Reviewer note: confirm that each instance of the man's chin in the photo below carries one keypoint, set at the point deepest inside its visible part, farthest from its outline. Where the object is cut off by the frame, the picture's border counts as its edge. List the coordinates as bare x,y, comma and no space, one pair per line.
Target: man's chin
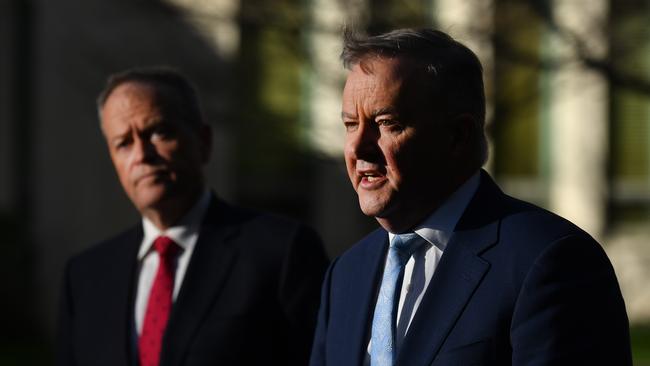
152,199
373,208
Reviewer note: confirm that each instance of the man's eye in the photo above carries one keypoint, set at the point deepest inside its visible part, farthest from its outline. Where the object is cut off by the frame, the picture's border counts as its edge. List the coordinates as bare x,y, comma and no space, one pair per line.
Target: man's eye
350,125
161,133
389,123
121,144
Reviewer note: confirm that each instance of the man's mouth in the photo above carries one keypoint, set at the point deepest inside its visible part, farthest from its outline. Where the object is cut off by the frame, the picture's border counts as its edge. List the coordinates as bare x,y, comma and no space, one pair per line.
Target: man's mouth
152,174
371,179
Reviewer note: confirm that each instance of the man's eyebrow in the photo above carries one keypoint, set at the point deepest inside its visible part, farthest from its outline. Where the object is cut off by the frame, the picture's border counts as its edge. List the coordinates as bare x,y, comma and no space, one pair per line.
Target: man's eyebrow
376,112
155,122
384,110
120,134
119,137
348,115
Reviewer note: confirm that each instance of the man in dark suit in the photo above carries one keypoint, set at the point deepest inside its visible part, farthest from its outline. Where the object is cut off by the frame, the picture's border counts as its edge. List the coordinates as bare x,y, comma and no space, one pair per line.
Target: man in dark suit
459,273
198,282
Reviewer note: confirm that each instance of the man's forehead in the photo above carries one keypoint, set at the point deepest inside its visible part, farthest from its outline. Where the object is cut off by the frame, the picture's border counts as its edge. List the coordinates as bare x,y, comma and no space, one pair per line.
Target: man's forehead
381,74
157,96
128,96
386,85
134,88
126,102
400,65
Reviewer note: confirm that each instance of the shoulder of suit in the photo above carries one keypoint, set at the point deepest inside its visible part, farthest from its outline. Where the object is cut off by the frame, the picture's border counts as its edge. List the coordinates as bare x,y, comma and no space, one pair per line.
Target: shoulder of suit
117,245
526,220
252,220
527,232
374,241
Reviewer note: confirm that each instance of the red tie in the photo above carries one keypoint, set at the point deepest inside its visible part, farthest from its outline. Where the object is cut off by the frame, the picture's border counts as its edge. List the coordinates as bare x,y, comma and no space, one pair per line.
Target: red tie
159,304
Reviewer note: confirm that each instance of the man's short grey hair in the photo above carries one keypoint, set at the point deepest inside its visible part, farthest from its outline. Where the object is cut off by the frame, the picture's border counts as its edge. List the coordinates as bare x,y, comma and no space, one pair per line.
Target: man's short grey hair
176,90
455,74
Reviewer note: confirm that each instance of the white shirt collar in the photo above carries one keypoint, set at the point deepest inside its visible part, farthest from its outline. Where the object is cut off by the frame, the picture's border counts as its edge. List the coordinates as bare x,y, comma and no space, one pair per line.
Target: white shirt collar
185,233
439,226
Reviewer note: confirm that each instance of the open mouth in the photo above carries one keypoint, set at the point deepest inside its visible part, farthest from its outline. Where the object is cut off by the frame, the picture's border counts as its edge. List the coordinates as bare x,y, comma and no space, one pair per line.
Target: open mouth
371,179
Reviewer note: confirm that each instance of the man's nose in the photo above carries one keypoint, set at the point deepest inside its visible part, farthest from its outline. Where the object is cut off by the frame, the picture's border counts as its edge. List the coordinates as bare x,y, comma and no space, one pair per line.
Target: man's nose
364,142
144,151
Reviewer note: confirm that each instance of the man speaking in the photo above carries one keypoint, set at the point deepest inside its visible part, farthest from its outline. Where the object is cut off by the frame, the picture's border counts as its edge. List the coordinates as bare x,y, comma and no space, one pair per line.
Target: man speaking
459,273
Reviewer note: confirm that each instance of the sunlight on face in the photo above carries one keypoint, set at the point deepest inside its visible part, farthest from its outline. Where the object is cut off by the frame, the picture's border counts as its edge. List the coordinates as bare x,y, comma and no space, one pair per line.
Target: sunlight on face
157,157
394,147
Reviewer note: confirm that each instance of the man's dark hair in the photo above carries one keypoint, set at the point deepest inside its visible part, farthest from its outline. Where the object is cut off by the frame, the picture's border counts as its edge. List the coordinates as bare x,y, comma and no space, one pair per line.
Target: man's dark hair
173,87
455,75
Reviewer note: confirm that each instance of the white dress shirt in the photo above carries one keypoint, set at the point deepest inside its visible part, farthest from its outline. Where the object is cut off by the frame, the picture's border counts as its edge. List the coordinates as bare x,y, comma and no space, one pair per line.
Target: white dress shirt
436,230
185,234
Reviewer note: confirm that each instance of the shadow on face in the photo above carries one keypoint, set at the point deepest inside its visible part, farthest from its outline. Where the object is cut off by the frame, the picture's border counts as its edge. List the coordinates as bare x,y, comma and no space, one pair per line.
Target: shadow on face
158,155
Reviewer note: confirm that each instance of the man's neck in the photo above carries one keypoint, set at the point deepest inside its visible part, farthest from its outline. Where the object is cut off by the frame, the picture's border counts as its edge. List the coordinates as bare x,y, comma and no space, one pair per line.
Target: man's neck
170,212
406,218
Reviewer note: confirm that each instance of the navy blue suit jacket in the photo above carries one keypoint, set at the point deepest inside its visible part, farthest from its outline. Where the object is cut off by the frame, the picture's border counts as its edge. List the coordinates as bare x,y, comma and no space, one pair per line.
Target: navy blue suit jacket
516,285
249,297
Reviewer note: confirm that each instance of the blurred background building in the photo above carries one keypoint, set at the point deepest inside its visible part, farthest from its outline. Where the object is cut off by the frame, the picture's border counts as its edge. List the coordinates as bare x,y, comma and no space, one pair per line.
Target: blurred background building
568,84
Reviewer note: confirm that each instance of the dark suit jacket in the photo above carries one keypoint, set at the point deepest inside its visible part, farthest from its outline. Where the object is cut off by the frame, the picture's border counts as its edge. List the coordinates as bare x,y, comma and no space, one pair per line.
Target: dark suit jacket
516,285
249,297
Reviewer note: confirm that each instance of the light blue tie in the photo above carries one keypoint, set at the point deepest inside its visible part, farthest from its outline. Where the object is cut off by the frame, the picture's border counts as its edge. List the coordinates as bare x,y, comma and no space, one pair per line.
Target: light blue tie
382,343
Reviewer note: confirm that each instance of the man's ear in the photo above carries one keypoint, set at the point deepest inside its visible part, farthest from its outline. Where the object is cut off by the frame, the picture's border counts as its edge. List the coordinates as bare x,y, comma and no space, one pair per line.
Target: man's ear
462,133
205,138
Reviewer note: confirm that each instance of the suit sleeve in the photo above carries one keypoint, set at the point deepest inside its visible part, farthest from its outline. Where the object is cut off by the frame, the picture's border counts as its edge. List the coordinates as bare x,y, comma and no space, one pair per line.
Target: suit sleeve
64,349
318,348
570,310
302,275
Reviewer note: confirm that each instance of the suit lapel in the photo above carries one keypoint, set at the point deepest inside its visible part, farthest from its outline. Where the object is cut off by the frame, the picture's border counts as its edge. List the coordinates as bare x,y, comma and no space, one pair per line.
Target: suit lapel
362,289
457,276
120,316
209,267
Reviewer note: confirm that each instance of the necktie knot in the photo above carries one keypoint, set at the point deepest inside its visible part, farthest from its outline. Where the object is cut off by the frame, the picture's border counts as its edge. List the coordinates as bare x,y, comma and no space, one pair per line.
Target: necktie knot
165,247
406,244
